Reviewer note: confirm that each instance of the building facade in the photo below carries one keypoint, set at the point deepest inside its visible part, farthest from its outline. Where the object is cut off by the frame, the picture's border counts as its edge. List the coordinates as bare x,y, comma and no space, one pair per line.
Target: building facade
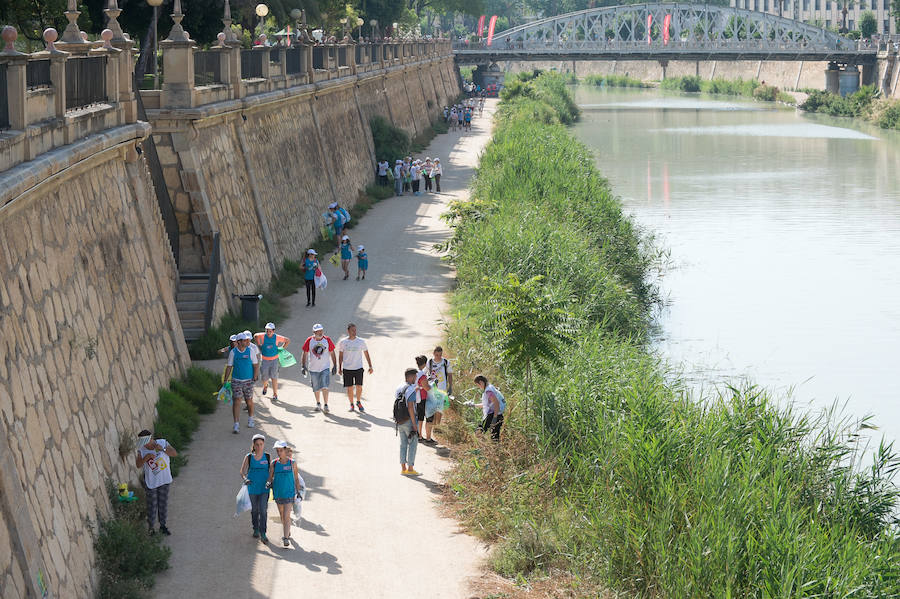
827,13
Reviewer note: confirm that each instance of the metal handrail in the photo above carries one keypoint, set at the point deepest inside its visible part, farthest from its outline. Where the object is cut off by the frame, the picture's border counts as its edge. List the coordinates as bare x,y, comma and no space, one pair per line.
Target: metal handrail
213,282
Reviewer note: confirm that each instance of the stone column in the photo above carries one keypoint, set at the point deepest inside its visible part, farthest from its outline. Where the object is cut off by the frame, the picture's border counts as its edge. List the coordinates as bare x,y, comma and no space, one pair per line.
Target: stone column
282,60
58,79
178,65
15,80
261,53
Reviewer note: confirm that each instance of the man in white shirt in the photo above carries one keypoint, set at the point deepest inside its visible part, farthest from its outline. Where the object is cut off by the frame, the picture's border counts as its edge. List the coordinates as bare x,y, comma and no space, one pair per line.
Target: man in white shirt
351,350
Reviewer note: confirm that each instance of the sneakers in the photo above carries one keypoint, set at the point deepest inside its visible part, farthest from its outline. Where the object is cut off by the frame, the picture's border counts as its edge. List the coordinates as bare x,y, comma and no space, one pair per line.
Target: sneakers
236,429
255,533
429,441
286,541
263,538
274,398
410,472
151,532
318,407
265,388
164,530
325,409
251,422
351,407
360,406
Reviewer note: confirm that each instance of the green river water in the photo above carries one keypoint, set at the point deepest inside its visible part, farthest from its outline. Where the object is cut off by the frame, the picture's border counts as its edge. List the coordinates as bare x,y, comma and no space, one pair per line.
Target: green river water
784,238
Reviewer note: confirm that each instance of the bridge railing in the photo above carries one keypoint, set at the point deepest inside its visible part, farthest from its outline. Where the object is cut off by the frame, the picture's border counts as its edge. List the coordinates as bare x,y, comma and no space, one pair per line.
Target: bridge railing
64,93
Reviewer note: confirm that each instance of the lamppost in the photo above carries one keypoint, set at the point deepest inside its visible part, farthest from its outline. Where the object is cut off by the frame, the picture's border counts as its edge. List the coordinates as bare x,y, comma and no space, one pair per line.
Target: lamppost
261,11
343,28
359,24
155,4
373,23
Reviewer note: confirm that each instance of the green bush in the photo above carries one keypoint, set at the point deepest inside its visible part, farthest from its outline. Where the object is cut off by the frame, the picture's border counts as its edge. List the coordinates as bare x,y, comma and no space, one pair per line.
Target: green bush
614,81
177,417
201,398
730,87
857,104
608,469
766,93
391,142
786,98
688,83
128,559
890,117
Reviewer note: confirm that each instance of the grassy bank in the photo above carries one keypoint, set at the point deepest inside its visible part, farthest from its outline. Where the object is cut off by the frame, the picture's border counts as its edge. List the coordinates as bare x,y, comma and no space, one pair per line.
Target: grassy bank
863,103
748,88
608,471
614,81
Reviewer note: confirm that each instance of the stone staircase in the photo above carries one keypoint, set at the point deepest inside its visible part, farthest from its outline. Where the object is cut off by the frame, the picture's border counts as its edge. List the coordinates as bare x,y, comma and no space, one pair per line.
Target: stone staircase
191,304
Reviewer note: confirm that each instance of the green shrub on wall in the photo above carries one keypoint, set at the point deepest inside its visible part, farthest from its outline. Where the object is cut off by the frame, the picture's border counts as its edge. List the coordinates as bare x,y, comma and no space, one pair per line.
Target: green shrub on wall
391,142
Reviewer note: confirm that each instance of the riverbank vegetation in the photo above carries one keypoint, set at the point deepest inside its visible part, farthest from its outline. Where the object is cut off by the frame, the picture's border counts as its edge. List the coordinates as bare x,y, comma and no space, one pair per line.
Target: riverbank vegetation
614,81
608,470
748,88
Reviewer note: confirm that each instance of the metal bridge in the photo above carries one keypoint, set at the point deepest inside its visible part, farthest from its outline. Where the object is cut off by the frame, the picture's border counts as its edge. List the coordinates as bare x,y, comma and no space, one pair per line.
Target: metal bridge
666,31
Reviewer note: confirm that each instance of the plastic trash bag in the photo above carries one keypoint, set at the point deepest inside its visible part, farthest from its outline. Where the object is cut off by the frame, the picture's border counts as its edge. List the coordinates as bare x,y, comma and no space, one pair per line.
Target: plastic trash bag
433,405
286,358
321,281
242,501
335,259
443,398
224,394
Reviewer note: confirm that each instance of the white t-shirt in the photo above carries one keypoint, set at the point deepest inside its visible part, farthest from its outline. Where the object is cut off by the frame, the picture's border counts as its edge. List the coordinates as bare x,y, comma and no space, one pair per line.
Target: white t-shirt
407,390
487,406
382,169
353,352
254,355
319,358
157,471
438,372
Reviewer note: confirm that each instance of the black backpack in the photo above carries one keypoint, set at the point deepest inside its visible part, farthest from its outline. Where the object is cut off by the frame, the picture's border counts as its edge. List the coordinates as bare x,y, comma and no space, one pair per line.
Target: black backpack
401,411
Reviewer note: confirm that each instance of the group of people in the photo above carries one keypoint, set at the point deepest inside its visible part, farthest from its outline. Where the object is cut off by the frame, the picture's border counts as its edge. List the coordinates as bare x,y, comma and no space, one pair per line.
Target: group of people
459,116
408,174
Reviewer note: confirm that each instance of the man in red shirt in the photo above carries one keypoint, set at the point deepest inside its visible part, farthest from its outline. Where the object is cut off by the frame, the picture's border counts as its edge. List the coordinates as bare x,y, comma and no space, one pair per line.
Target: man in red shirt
316,350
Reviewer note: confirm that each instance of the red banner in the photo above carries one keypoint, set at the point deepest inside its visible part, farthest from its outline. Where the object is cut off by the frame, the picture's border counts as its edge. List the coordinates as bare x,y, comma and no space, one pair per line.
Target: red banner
491,24
480,25
649,23
667,22
288,35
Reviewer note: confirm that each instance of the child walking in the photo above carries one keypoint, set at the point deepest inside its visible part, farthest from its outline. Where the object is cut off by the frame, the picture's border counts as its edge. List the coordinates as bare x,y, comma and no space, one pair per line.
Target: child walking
362,262
255,472
287,487
346,255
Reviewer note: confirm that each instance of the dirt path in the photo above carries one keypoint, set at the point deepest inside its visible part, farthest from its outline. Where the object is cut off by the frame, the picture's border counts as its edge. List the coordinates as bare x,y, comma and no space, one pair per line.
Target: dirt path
367,531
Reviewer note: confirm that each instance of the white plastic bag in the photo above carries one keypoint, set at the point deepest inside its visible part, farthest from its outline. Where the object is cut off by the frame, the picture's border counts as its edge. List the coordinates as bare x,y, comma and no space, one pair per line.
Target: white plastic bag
321,281
242,501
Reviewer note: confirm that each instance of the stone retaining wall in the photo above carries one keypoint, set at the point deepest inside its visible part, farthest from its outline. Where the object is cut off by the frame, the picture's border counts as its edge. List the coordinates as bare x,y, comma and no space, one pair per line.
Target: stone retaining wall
262,170
88,333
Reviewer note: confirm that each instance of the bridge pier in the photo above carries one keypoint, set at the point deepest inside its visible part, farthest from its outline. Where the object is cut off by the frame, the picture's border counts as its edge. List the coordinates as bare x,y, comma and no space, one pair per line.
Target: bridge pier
664,64
845,79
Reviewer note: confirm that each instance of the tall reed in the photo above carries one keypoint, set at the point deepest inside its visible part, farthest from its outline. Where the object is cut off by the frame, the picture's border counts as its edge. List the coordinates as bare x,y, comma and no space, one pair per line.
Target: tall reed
609,469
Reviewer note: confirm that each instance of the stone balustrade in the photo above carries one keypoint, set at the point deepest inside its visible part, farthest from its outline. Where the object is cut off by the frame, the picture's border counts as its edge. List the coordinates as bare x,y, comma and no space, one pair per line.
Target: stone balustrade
62,94
195,77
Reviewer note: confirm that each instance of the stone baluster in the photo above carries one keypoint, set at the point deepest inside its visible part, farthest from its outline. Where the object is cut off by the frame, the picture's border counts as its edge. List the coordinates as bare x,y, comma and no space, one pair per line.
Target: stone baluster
261,54
231,53
57,71
178,65
15,79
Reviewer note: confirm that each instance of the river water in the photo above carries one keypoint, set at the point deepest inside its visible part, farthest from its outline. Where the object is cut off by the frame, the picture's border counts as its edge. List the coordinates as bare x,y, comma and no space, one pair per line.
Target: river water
784,237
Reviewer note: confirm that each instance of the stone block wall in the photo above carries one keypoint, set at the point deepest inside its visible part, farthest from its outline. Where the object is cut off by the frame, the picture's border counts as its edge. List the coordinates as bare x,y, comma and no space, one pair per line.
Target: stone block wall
261,171
88,333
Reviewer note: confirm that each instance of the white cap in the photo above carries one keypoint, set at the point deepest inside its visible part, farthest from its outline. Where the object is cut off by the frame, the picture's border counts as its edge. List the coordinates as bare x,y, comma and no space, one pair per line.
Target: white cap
345,238
270,325
312,251
279,444
257,436
332,205
249,334
245,335
360,247
233,338
318,327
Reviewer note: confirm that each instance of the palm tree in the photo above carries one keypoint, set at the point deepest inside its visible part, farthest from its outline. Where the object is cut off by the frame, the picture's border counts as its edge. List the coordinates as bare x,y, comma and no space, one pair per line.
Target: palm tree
845,8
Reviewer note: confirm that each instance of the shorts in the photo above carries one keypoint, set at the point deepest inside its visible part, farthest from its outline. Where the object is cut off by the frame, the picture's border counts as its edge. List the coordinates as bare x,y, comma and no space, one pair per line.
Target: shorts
353,377
284,500
242,389
320,380
420,412
268,369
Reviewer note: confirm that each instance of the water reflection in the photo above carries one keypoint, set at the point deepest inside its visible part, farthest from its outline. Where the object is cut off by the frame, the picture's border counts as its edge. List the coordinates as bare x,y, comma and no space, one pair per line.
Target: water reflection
785,232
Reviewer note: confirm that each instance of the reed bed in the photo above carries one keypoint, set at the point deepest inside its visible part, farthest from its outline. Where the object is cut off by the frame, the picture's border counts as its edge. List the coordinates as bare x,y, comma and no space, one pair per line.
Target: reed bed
609,470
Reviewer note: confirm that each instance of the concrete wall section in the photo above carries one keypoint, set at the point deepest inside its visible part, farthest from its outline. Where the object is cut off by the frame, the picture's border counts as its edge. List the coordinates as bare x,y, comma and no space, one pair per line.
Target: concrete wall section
88,333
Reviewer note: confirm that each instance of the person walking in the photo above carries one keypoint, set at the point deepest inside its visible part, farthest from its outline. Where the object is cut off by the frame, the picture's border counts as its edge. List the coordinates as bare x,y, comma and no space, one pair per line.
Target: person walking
316,350
424,387
153,457
438,171
383,167
414,174
492,407
287,487
439,371
398,178
310,266
351,350
406,397
346,255
407,178
243,368
426,173
269,343
255,472
362,262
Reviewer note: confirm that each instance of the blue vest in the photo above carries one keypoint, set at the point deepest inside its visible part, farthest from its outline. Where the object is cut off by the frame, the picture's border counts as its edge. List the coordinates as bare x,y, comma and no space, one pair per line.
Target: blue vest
258,473
310,266
242,366
269,347
346,252
283,481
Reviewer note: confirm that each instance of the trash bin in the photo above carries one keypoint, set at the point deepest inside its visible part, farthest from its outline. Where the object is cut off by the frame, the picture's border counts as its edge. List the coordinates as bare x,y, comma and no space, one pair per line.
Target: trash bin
250,307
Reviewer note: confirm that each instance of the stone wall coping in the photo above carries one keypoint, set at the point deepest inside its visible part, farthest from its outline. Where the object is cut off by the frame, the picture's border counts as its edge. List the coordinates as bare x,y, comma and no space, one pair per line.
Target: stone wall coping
23,177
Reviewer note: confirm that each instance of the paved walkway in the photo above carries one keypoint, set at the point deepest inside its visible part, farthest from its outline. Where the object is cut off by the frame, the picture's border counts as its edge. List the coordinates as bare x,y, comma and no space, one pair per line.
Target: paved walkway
366,531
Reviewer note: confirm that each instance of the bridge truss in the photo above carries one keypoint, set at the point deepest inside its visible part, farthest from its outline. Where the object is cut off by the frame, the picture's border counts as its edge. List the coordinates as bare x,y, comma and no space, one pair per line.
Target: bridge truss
666,31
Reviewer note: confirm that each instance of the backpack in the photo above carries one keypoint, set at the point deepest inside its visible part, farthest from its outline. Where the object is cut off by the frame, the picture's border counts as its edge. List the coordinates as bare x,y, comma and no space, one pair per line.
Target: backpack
345,215
444,363
265,453
401,411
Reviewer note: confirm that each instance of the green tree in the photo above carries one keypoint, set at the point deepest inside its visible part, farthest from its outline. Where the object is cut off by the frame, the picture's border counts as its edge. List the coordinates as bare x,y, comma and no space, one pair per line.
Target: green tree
868,23
895,12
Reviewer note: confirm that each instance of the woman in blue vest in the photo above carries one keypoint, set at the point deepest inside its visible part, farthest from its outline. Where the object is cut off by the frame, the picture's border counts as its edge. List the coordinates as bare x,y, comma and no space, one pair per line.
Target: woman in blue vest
284,479
346,255
310,264
255,472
